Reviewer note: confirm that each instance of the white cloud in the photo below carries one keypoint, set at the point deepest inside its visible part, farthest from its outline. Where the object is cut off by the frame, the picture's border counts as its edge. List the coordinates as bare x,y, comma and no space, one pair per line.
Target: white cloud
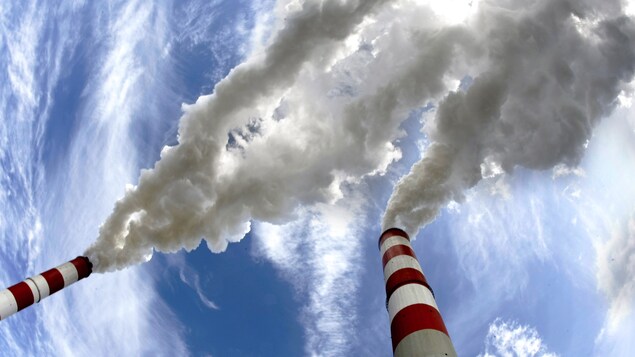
604,206
21,27
190,278
607,213
497,239
616,342
511,339
264,22
616,271
19,104
20,45
320,254
562,170
119,314
105,314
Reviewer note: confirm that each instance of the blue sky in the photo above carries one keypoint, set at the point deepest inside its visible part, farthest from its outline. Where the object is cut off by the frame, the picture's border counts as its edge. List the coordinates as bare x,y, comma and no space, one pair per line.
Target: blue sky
534,263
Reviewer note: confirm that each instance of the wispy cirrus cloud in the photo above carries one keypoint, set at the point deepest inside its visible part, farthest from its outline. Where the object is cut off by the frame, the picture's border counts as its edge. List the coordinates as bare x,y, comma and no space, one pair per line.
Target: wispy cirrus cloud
616,269
606,211
320,254
511,339
191,278
21,25
58,211
125,80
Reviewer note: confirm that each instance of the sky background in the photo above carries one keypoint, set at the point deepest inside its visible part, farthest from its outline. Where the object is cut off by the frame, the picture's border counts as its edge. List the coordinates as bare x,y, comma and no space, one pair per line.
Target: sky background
534,263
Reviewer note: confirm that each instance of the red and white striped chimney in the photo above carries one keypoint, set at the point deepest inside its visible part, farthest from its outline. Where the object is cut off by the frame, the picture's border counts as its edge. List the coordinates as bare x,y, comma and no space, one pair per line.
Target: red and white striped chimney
416,325
32,290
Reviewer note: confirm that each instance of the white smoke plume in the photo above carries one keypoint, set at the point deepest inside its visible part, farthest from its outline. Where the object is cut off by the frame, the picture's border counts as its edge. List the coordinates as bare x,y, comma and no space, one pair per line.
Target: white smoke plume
322,105
191,193
552,70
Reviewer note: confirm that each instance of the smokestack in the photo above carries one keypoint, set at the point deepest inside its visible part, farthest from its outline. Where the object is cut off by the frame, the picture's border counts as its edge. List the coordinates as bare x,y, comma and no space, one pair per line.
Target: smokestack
416,325
32,290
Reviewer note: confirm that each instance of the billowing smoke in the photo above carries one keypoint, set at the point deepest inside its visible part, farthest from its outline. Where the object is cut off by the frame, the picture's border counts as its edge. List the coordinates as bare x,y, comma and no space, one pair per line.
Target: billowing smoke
321,108
191,193
552,70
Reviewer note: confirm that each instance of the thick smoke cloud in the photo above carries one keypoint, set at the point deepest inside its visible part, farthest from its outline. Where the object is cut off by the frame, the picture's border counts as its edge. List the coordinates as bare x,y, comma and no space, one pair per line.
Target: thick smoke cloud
185,196
322,106
552,70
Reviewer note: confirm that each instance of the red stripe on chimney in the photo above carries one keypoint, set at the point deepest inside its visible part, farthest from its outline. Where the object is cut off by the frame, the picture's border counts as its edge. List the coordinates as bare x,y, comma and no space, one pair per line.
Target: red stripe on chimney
23,295
405,276
396,250
415,318
55,280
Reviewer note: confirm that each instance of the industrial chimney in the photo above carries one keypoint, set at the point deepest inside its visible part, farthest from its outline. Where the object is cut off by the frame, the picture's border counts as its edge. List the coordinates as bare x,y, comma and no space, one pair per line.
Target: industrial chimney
416,325
32,290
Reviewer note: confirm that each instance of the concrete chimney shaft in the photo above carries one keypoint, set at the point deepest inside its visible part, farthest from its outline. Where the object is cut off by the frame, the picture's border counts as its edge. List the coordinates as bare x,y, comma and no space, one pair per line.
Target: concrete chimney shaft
32,290
416,325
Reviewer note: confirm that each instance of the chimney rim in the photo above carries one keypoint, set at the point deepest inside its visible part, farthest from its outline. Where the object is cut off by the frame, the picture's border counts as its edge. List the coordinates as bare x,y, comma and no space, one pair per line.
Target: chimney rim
391,232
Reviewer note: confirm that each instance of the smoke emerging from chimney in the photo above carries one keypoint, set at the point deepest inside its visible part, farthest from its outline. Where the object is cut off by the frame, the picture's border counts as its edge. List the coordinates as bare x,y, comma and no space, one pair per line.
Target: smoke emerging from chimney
551,71
322,106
